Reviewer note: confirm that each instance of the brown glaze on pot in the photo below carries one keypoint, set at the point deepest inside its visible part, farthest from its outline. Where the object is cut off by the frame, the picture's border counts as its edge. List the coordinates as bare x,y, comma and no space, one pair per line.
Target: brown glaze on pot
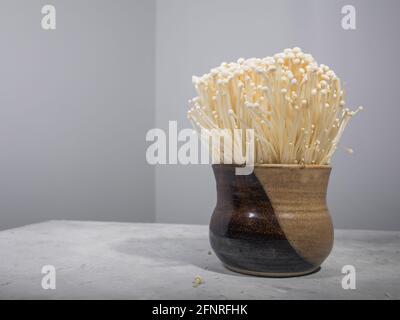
273,222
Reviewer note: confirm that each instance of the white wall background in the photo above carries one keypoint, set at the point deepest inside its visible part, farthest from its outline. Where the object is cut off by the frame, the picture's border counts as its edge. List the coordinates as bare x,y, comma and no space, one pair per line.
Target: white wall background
193,36
76,103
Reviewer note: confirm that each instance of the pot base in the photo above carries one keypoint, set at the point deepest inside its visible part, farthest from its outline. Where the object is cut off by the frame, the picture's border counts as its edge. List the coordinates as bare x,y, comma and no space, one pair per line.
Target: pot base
272,274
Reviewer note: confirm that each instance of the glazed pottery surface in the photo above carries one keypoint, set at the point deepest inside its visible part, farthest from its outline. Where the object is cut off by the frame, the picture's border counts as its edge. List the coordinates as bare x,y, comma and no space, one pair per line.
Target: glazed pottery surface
273,222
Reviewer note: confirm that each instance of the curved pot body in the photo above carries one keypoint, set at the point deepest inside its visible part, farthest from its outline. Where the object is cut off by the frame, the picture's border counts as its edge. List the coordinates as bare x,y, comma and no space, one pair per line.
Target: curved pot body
273,222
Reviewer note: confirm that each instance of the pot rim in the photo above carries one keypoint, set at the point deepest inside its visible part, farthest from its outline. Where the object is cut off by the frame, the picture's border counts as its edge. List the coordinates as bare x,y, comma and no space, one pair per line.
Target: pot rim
279,165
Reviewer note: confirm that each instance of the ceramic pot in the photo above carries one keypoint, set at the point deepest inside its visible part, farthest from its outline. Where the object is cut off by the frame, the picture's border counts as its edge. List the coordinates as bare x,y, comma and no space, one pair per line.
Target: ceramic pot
273,222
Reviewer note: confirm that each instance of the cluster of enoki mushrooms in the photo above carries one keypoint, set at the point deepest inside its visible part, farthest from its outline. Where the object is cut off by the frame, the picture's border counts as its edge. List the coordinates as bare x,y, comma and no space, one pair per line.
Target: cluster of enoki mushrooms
295,107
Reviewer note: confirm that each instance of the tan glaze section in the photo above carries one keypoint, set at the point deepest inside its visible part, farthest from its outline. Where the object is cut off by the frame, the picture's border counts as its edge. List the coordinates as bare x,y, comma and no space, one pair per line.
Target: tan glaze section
298,196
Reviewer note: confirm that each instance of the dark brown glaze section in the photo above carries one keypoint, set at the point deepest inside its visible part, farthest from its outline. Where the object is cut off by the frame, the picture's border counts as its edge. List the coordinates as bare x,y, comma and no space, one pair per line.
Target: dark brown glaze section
244,231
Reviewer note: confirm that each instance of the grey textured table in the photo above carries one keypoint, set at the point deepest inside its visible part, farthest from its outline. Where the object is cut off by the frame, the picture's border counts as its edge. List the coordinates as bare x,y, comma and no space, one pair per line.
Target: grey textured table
159,261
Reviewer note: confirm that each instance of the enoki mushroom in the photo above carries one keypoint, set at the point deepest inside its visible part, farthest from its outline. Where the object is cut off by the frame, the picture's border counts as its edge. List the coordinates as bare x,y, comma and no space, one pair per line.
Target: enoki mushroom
295,106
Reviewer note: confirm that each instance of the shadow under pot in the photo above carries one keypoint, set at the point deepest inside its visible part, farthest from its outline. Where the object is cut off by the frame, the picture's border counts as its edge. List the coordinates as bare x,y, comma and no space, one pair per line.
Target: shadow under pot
273,222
